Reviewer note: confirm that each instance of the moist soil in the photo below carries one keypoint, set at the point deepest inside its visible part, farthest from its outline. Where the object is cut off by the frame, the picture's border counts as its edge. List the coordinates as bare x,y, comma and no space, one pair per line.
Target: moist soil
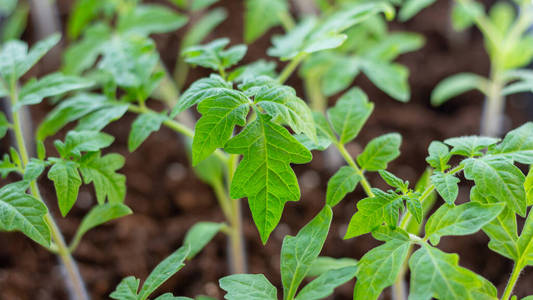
167,199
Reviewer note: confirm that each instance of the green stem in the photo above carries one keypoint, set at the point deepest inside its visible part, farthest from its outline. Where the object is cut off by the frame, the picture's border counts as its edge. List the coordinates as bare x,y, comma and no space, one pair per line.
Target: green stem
492,118
314,93
364,182
74,281
512,281
238,257
289,68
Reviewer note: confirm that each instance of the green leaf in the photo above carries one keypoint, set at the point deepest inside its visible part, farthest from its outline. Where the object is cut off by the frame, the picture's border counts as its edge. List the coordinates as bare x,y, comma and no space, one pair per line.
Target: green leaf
261,15
439,155
16,23
463,219
169,296
213,55
146,19
299,252
101,214
437,274
200,235
394,181
69,110
518,87
379,152
201,4
502,231
83,141
499,178
67,182
391,78
264,175
203,27
4,125
97,120
525,242
517,145
411,7
446,186
324,285
502,15
470,146
34,169
126,289
373,211
341,183
163,271
23,212
528,186
81,55
81,14
6,166
142,127
210,170
205,88
465,13
258,68
379,268
323,264
101,171
455,85
415,207
248,286
350,114
220,115
34,91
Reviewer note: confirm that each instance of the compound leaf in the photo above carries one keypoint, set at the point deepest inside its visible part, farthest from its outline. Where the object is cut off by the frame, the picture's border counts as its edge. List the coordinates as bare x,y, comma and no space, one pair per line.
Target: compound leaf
264,175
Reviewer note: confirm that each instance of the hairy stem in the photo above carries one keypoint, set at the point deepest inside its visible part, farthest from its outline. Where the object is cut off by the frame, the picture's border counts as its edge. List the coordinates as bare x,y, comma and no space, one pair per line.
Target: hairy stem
512,281
364,182
74,281
290,67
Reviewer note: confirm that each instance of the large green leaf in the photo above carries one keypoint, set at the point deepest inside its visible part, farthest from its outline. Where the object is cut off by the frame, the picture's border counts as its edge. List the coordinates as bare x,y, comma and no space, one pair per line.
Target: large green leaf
264,175
23,212
299,252
213,55
101,171
67,182
437,274
380,151
324,285
379,268
499,178
463,219
220,115
446,186
146,19
350,114
261,15
142,127
456,85
34,91
248,286
517,145
341,183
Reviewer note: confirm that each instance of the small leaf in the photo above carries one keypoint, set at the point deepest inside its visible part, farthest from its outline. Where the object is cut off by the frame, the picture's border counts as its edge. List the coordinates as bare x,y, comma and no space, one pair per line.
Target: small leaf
446,185
456,85
163,271
67,182
83,141
341,183
264,175
324,285
465,13
34,91
81,55
350,114
415,208
517,145
126,289
101,171
411,7
142,127
146,19
379,152
220,115
200,235
34,169
388,77
23,212
499,178
6,166
213,55
261,15
299,252
379,268
203,27
528,186
169,296
248,286
463,219
101,214
470,146
4,124
394,181
324,264
97,120
439,155
525,241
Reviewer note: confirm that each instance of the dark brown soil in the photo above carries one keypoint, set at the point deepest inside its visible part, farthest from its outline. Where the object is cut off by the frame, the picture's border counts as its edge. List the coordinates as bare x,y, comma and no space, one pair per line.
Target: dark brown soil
167,199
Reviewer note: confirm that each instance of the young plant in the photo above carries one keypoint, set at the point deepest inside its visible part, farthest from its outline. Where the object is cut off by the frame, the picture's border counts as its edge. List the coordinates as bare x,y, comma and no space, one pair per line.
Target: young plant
509,45
79,153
